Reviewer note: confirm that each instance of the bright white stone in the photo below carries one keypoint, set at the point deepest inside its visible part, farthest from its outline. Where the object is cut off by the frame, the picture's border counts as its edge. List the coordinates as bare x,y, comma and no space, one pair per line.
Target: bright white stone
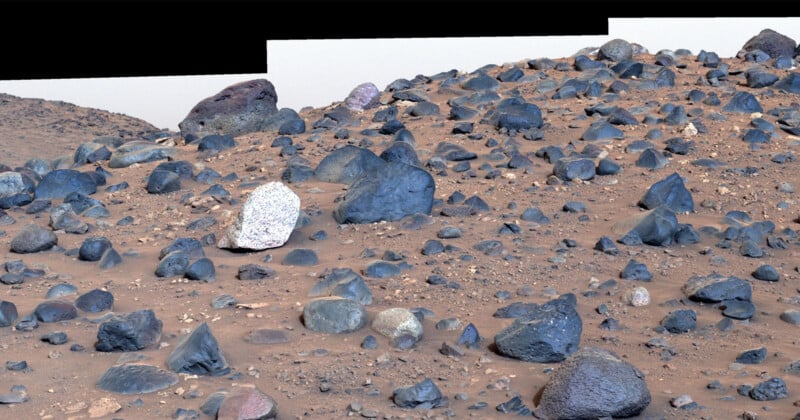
266,219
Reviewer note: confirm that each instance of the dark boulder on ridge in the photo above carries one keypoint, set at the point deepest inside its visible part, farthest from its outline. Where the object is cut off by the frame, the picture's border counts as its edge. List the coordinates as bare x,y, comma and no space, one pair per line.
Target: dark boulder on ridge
771,42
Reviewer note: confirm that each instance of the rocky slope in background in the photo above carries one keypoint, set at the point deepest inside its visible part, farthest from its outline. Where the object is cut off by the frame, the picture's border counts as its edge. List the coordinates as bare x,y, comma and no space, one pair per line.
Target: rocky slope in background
607,235
47,129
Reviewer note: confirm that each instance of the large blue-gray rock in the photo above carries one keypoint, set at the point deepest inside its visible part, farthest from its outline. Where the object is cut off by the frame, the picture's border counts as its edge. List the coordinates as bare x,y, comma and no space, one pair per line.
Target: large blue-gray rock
33,238
771,42
8,313
216,142
198,353
334,315
602,130
743,103
515,114
202,269
615,50
173,264
55,310
140,151
680,321
362,97
347,163
238,109
95,300
715,288
345,283
656,227
134,378
132,331
400,151
423,396
549,333
394,191
163,182
574,167
670,192
92,249
790,83
191,246
593,383
759,79
61,182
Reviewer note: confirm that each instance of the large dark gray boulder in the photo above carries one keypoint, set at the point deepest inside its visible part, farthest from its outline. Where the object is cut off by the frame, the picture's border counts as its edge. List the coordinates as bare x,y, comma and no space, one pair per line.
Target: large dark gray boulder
345,164
343,282
669,192
394,191
657,227
515,114
423,395
61,182
129,332
547,334
198,353
33,238
133,378
743,103
593,383
715,288
771,42
615,50
334,315
238,109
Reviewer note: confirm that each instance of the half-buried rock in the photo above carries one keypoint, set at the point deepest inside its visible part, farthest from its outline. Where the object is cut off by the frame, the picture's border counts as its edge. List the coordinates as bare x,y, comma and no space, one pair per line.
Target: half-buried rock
266,219
334,315
129,332
391,193
198,353
547,334
134,378
593,383
247,402
55,310
33,238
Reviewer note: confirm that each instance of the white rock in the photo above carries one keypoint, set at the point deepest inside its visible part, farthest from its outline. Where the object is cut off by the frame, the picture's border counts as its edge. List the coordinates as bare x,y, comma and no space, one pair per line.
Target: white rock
638,296
395,322
11,183
690,130
265,220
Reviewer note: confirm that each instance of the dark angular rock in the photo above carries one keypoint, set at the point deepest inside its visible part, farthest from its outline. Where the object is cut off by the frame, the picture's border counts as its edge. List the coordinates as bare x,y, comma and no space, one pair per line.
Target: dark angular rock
55,310
715,288
381,269
183,168
95,300
584,63
198,353
516,114
33,238
202,223
216,142
163,182
593,383
738,309
469,337
635,270
423,108
657,227
423,395
743,103
202,269
606,245
789,83
130,378
432,247
532,214
8,313
292,127
651,159
769,390
55,338
346,164
334,315
752,356
173,264
602,130
238,109
481,82
129,332
301,257
571,168
548,334
391,193
615,50
670,192
515,310
607,166
190,246
92,249
760,79
680,321
255,272
59,183
685,235
345,283
400,151
772,43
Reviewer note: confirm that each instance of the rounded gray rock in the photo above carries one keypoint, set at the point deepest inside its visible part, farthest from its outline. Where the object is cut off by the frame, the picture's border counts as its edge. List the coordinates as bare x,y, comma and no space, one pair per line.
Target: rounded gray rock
615,50
33,238
334,315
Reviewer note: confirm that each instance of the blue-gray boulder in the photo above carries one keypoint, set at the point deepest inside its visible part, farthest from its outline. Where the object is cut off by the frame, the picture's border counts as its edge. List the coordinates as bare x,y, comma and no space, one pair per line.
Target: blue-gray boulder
715,288
33,238
61,182
198,353
134,378
570,168
657,227
173,264
345,283
216,142
55,310
771,42
602,130
547,334
669,192
680,321
400,151
615,50
133,331
759,79
162,182
92,249
347,163
334,315
423,395
202,269
593,383
515,114
743,103
183,168
769,390
238,109
391,193
95,300
790,83
301,257
191,246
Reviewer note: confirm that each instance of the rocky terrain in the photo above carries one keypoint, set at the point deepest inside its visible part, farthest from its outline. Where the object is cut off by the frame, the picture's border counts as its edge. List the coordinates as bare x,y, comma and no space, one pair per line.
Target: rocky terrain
607,235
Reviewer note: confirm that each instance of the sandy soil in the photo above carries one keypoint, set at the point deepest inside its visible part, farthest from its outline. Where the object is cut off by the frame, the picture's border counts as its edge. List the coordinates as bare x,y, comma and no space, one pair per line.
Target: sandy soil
318,376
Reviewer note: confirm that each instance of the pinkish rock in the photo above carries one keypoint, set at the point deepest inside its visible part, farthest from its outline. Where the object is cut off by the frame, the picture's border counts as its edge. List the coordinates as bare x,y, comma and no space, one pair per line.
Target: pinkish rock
247,403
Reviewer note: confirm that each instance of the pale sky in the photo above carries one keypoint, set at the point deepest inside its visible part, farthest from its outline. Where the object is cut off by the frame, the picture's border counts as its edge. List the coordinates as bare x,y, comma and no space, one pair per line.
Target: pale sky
319,72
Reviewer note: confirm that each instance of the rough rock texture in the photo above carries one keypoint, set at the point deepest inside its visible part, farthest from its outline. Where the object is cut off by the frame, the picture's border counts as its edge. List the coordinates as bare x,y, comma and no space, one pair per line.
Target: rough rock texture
33,238
247,403
198,353
593,383
129,332
362,97
771,42
238,109
334,315
266,219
